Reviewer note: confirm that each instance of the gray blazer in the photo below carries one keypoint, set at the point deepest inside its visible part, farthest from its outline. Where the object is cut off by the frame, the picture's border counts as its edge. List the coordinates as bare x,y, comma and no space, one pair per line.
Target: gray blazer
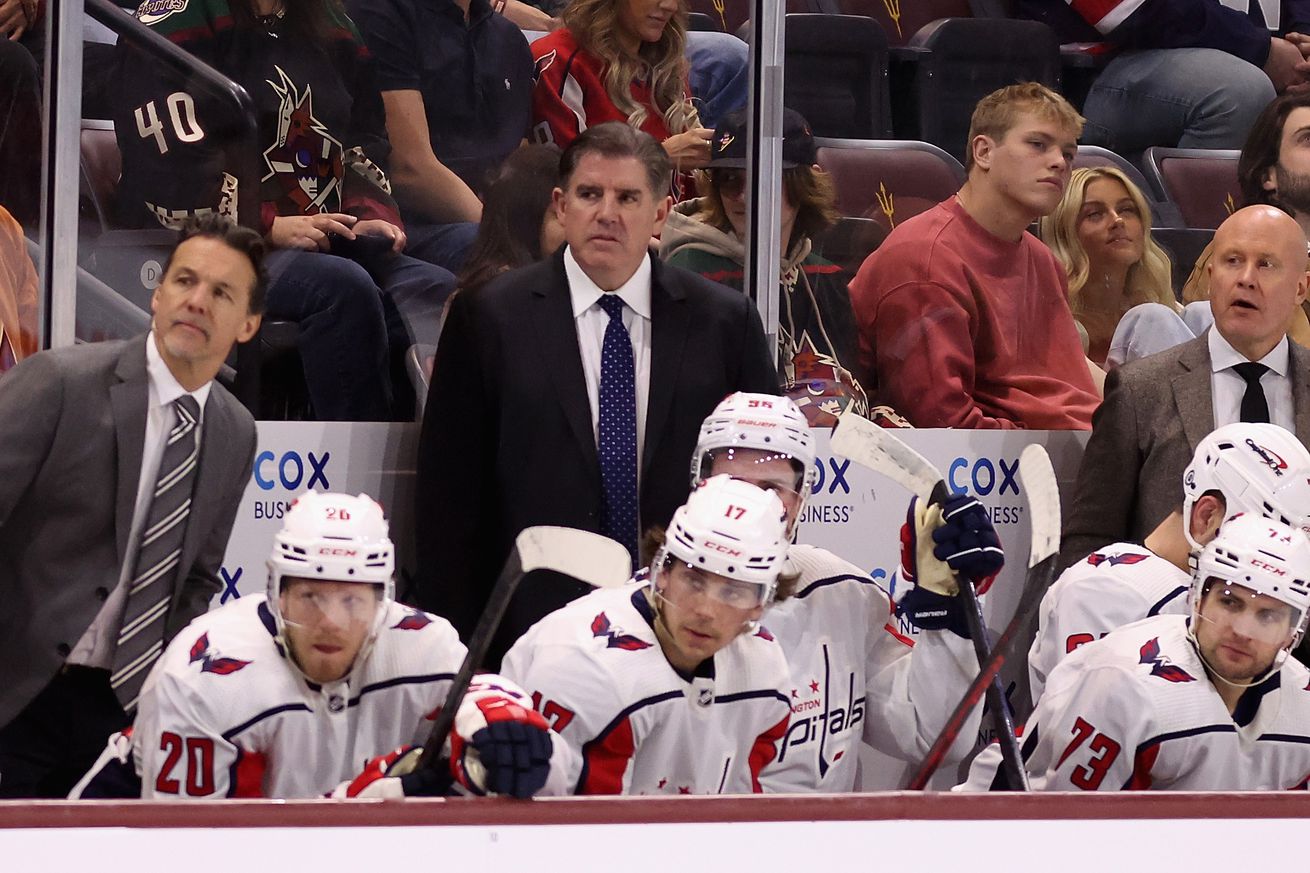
1156,411
72,430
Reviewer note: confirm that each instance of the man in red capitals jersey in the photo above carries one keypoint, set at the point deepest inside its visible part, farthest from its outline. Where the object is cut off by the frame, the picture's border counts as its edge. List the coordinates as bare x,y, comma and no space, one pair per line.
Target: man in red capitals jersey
854,676
670,685
1210,702
1241,467
290,694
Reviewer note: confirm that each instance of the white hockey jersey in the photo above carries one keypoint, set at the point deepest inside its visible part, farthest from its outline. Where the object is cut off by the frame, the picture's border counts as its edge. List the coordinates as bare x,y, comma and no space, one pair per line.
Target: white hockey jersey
224,714
1116,585
855,676
1137,710
628,723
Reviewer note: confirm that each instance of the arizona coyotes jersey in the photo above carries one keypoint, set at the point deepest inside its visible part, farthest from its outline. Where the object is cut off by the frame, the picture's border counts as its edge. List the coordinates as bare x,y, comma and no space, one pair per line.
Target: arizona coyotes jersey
1116,585
1137,710
628,723
855,676
225,714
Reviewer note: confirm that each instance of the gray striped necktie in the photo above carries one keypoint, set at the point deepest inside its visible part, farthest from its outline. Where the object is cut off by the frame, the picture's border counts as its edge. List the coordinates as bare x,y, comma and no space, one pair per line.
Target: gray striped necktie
141,639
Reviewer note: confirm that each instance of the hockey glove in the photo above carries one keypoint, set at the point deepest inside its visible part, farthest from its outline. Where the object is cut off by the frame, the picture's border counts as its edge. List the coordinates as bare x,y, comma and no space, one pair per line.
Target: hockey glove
500,745
967,541
396,775
936,544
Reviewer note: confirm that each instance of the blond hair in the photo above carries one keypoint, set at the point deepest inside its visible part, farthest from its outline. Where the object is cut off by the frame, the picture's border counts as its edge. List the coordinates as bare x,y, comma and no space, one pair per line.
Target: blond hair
999,111
594,24
1149,280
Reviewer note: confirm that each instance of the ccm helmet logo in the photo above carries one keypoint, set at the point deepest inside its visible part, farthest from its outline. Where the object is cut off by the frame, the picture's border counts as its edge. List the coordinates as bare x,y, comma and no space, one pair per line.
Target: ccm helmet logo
338,552
1259,564
722,549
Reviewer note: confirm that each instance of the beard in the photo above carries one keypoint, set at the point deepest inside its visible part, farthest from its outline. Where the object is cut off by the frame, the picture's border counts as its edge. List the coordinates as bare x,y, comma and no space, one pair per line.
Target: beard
1293,192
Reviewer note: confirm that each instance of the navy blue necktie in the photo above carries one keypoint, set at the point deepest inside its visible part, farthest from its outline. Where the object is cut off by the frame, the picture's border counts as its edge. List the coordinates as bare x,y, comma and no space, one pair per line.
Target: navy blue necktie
617,442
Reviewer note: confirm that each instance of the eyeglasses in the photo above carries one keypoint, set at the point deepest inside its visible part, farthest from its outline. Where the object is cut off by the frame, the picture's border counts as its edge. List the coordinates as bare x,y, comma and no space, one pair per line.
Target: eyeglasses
731,182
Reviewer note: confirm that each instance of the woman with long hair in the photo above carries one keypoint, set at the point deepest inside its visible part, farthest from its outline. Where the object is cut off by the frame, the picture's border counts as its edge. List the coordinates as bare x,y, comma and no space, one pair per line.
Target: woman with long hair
1101,234
519,225
620,60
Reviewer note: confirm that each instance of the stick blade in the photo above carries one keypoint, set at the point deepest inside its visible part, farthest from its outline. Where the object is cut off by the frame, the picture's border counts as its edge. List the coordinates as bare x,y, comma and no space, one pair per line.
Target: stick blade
588,557
878,449
1038,477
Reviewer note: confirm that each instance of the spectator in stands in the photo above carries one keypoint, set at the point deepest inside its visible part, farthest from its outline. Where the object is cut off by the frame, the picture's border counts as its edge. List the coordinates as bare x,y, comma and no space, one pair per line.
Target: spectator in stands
963,315
1158,409
1274,168
122,469
519,224
456,81
1101,234
816,333
20,117
1188,73
620,60
18,296
326,203
571,391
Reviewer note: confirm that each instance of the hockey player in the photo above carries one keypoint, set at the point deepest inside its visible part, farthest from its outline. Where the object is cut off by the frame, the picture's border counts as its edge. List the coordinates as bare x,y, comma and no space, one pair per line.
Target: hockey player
290,694
669,685
1210,703
1256,468
853,674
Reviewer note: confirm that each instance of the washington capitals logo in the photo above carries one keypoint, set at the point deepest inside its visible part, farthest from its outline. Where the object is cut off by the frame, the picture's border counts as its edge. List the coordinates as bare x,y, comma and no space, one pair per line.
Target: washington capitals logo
600,627
1160,666
1271,459
1096,559
413,621
304,159
211,663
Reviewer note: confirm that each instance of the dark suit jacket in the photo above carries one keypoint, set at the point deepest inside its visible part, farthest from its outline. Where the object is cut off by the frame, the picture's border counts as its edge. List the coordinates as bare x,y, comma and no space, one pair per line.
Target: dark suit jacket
507,439
72,428
1156,410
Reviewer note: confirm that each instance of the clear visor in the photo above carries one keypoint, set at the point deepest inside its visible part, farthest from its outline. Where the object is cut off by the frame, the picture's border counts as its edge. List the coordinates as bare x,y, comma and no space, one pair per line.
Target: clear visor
1249,614
309,605
759,468
686,586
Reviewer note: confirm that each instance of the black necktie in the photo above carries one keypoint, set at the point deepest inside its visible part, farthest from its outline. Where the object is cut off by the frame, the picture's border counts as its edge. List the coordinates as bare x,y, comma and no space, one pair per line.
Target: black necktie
1254,405
617,444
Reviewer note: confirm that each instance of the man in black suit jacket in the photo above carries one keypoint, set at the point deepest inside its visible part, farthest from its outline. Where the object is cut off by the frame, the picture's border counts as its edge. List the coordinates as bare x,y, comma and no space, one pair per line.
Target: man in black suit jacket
510,430
82,437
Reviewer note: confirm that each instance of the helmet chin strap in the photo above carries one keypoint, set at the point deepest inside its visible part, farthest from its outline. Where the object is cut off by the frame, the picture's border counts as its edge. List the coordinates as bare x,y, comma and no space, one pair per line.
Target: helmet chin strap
1215,674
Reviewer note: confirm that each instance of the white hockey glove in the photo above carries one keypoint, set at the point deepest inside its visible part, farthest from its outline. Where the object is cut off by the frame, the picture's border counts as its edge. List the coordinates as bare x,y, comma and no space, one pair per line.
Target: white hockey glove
500,745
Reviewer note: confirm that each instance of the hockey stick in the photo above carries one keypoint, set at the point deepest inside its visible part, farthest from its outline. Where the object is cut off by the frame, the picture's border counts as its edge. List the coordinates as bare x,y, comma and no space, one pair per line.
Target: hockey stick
1044,509
588,557
874,447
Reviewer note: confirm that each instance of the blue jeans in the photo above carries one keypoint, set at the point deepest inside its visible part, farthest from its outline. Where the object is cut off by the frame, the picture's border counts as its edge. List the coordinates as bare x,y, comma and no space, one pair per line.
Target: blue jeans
1189,98
720,74
446,245
350,319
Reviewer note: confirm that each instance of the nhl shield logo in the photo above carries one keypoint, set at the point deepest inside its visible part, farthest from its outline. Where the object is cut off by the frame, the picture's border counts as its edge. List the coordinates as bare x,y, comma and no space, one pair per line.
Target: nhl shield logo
705,697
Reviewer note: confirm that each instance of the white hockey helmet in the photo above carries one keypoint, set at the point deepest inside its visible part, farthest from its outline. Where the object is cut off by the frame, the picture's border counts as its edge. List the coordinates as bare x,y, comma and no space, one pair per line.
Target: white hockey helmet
732,529
1258,468
334,538
765,422
1265,557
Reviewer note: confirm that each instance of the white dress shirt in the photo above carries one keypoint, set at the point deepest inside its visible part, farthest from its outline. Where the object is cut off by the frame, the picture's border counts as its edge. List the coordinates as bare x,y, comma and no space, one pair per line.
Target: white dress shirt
591,321
96,647
1227,388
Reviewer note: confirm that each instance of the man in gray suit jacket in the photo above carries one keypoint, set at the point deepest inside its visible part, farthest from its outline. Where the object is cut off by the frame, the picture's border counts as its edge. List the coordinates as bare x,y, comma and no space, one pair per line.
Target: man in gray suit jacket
1158,408
84,434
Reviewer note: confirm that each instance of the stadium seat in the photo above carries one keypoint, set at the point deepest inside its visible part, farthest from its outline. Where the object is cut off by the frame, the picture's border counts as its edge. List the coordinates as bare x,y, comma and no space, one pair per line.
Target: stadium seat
730,16
849,242
836,75
1201,182
952,63
888,181
902,19
1163,213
